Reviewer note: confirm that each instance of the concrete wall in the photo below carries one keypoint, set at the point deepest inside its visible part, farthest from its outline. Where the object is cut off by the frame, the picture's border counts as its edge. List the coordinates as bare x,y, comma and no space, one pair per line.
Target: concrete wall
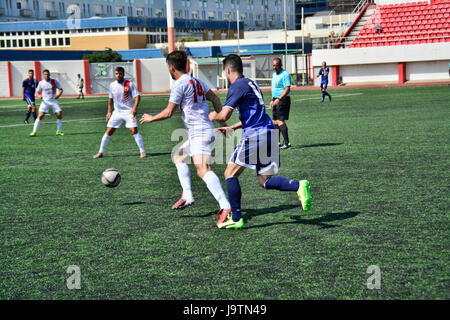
19,72
429,70
65,72
4,86
380,64
368,73
155,75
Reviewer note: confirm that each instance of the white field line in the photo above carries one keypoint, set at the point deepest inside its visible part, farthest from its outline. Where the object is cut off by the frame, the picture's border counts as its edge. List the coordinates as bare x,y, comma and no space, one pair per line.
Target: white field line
61,103
77,157
333,96
53,122
25,108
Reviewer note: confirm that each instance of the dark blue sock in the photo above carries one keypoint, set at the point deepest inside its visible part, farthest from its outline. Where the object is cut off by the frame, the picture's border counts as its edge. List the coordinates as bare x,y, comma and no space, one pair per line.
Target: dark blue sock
234,196
327,94
323,95
34,115
282,183
27,116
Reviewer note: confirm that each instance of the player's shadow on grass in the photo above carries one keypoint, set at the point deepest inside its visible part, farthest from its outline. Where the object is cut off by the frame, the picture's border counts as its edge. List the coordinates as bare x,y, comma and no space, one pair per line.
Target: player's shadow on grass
149,155
320,222
320,145
249,213
79,133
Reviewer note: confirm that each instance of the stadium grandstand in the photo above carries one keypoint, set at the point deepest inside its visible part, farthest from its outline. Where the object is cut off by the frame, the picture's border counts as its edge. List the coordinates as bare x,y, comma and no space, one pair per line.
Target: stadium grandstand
399,23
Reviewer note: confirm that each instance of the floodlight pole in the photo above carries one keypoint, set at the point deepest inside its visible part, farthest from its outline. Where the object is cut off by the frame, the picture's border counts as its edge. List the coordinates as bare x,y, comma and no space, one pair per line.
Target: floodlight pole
170,25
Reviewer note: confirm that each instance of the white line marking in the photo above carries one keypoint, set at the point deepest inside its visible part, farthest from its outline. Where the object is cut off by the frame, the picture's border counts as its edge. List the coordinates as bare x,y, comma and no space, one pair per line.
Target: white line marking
53,122
333,96
61,104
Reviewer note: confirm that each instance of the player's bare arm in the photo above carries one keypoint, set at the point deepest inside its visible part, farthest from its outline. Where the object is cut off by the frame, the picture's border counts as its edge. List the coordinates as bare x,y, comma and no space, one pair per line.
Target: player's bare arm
211,96
276,101
137,99
223,115
60,91
108,114
231,128
165,114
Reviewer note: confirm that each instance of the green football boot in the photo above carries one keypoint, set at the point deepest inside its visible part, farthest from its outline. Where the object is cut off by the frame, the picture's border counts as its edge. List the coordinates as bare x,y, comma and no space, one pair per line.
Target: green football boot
230,224
59,133
33,134
304,194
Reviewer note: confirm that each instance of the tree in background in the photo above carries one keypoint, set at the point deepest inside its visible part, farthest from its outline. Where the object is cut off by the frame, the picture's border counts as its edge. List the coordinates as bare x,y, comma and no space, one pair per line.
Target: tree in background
108,55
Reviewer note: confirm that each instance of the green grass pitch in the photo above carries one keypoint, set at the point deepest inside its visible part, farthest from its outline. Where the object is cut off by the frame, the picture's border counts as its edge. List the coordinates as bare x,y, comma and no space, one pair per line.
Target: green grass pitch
377,160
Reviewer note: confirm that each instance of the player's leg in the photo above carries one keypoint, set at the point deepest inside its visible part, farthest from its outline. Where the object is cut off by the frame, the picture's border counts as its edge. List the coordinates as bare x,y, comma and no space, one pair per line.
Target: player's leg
232,173
202,163
43,109
28,114
323,92
283,117
139,141
180,158
105,140
59,122
115,121
33,111
275,120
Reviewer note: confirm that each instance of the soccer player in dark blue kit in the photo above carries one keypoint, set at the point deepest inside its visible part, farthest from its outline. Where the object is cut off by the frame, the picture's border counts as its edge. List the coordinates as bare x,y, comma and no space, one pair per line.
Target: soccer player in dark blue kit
258,148
28,89
324,82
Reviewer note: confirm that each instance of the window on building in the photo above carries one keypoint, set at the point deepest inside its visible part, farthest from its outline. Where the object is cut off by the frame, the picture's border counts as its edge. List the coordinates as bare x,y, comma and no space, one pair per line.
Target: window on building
47,42
2,44
39,42
67,41
33,42
27,42
14,43
54,43
8,43
60,41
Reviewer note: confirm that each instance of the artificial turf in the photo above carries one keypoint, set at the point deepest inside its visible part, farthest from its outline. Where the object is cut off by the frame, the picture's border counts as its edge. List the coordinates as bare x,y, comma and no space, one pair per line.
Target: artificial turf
377,160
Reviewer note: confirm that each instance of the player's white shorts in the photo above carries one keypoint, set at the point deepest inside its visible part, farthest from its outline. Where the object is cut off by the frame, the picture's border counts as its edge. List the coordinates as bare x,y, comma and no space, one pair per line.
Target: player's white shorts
200,143
118,117
258,150
45,106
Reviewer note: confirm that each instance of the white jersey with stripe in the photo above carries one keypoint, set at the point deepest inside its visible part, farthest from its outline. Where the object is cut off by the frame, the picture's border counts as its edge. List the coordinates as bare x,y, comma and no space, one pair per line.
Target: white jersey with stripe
122,95
190,94
48,89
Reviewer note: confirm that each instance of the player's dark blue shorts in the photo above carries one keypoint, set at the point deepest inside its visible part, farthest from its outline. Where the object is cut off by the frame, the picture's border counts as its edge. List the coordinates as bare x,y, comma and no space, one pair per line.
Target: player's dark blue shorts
29,100
323,85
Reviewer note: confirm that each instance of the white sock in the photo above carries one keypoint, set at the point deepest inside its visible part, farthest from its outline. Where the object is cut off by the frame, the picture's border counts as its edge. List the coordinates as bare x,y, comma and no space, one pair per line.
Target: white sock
139,141
213,183
58,124
105,141
184,175
37,122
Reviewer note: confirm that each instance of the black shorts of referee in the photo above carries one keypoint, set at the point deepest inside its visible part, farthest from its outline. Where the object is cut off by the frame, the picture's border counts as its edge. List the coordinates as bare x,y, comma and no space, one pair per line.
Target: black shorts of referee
281,111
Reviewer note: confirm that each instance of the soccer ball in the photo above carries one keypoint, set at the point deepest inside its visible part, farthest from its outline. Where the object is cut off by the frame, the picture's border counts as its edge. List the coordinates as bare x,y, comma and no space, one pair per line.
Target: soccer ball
111,178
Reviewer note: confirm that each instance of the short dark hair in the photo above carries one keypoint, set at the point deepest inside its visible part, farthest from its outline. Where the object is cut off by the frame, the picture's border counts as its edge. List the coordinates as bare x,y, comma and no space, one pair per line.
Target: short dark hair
177,59
279,61
31,70
46,70
120,70
234,62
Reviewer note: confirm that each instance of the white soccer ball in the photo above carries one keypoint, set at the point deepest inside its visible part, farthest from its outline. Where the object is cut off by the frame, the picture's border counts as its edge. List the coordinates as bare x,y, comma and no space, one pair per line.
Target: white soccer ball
111,178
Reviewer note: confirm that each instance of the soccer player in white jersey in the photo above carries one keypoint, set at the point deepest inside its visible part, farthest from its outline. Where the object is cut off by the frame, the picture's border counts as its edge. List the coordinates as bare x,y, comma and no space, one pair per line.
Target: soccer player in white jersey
121,93
191,95
49,90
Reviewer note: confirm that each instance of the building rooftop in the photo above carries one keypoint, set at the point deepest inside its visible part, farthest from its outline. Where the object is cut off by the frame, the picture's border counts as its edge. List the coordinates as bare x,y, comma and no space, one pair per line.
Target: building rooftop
112,22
